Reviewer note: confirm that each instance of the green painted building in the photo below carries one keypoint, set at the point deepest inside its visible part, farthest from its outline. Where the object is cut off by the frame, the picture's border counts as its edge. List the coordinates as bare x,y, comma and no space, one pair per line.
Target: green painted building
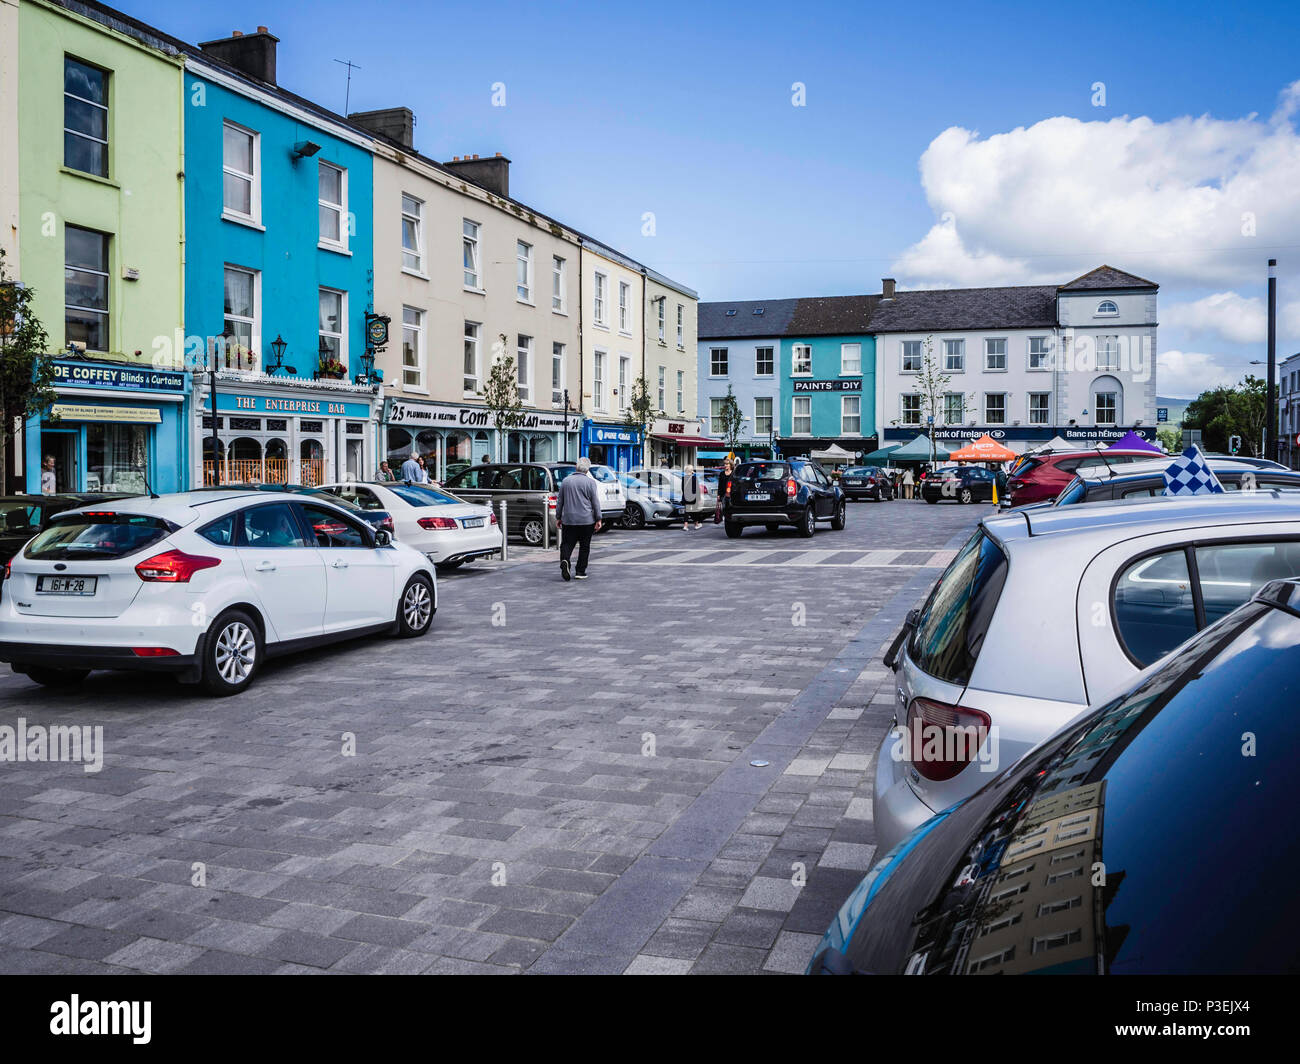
101,219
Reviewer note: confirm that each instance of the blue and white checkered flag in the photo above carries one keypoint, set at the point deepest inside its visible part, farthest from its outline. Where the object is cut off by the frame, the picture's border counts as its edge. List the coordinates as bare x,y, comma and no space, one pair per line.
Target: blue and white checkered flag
1190,475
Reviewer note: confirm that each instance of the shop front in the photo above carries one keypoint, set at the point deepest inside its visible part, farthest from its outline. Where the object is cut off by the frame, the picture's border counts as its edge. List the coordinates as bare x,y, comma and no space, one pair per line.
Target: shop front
268,433
613,445
676,444
112,427
452,437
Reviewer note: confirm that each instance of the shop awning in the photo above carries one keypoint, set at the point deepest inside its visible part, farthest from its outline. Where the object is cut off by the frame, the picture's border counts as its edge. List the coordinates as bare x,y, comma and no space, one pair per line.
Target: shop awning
687,441
140,415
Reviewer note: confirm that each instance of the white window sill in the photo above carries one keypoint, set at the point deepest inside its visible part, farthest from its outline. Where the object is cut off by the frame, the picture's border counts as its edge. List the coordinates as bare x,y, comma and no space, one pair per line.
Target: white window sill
850,373
415,388
338,249
475,291
414,273
624,332
524,302
990,369
599,325
239,219
561,313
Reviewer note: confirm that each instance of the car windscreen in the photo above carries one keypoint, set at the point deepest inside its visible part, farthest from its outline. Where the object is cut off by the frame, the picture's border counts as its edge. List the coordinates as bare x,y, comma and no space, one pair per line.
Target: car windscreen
956,617
859,471
763,471
98,534
629,481
562,471
604,474
421,496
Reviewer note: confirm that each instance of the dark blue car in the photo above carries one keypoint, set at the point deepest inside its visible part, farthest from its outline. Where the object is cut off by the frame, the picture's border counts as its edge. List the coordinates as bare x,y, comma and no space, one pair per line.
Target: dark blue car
786,491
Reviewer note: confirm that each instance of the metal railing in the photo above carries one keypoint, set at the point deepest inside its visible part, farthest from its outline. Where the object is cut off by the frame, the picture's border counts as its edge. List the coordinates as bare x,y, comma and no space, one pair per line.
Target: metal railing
310,471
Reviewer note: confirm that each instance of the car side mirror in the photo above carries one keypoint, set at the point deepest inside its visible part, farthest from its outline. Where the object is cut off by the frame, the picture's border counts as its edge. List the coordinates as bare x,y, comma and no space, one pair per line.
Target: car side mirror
383,537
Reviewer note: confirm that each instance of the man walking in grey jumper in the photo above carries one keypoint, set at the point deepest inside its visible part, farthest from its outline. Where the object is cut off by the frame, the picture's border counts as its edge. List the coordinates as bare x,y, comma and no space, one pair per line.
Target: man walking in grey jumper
577,516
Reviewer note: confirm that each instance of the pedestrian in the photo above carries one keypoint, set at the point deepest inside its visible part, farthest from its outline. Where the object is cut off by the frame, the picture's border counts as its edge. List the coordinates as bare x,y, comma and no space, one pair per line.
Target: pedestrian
908,483
385,473
411,470
724,485
485,459
577,516
691,499
48,481
424,468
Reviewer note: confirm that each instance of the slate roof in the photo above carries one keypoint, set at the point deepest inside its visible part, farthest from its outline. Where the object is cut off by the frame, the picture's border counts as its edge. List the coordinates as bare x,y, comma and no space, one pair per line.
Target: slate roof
716,324
833,316
944,309
1107,277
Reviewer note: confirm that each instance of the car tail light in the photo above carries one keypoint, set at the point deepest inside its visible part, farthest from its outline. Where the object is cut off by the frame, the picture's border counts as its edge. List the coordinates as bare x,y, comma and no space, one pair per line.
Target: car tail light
7,565
870,481
550,502
492,517
728,489
387,525
956,731
154,652
791,488
436,522
173,567
98,513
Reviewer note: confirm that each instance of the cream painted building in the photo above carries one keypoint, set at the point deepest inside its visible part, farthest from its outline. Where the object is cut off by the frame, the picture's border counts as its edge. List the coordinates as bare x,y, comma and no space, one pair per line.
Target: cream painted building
465,273
671,369
613,356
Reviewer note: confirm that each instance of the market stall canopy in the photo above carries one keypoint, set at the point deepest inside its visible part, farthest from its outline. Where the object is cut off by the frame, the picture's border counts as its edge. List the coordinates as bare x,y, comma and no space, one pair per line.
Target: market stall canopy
985,449
1134,442
834,453
884,454
918,450
1057,443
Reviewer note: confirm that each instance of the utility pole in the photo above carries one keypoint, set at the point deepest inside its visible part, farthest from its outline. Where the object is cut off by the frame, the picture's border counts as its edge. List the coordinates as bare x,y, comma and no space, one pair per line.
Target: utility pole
1270,407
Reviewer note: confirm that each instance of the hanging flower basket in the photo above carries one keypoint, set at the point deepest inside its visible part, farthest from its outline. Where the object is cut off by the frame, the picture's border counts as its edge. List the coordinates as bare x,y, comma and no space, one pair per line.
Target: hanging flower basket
332,368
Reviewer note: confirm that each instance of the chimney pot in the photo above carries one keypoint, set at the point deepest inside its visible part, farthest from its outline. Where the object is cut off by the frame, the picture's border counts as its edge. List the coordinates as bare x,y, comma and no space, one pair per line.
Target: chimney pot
887,288
476,155
262,29
491,172
395,123
252,54
237,33
498,155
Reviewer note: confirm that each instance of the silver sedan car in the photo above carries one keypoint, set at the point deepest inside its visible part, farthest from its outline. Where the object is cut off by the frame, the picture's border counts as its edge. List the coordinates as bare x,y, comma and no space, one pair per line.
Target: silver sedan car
1044,612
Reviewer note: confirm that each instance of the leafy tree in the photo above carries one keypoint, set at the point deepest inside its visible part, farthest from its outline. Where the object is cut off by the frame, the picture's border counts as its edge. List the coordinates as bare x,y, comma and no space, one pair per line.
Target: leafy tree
1170,439
501,394
26,367
733,420
1224,412
640,412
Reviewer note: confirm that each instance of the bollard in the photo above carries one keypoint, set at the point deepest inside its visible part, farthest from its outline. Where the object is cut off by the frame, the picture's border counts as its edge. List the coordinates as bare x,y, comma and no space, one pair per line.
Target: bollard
546,525
505,534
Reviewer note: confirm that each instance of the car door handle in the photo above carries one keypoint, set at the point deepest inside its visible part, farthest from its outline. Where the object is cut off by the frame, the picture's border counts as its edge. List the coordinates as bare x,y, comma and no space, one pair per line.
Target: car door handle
264,567
339,563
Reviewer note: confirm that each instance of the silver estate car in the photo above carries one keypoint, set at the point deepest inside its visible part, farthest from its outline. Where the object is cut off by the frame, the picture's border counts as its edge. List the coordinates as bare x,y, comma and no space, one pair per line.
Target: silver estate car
1046,611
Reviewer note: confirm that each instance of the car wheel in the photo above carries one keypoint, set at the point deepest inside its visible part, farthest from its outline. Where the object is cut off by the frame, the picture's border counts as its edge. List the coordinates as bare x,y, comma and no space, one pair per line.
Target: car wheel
808,523
415,609
837,522
771,528
58,677
633,516
532,531
966,495
232,653
734,529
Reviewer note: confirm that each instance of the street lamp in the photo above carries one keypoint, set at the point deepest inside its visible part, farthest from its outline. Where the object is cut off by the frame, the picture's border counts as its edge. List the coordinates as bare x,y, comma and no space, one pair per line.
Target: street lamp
566,424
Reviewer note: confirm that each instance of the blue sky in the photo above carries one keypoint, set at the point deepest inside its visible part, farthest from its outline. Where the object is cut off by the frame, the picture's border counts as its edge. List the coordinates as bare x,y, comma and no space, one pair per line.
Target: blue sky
685,110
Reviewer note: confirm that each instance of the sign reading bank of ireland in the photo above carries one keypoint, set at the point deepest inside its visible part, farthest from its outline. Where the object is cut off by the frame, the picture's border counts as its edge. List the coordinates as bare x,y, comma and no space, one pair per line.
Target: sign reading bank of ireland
828,386
99,375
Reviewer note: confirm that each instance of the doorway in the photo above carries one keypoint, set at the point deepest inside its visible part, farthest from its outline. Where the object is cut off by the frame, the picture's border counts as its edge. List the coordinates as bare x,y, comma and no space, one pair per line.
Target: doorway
61,445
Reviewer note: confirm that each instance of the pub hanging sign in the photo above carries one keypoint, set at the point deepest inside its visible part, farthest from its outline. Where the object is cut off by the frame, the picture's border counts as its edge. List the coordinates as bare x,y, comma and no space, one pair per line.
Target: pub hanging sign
377,331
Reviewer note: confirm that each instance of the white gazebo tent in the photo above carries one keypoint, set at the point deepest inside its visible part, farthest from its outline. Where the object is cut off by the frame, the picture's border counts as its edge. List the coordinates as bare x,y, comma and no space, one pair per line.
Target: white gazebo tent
834,453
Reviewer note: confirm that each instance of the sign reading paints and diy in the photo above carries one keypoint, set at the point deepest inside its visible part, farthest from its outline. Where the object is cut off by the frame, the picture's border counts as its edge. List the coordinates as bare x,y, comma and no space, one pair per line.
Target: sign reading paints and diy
102,375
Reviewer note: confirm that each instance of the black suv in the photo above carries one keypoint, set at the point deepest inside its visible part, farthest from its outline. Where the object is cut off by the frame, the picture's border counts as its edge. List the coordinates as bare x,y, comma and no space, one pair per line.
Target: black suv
867,482
959,484
786,491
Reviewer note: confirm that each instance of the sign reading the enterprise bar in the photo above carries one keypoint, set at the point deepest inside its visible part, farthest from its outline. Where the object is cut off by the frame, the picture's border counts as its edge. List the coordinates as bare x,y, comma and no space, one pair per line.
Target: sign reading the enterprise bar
100,375
828,386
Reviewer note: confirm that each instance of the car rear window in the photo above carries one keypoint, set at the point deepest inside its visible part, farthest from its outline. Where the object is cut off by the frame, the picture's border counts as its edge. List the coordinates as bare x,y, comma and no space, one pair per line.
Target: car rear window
420,496
1077,491
763,471
21,518
956,617
98,534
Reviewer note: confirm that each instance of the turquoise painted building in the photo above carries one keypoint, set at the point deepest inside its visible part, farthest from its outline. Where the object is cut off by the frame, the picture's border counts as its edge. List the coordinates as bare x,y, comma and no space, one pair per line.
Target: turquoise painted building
279,268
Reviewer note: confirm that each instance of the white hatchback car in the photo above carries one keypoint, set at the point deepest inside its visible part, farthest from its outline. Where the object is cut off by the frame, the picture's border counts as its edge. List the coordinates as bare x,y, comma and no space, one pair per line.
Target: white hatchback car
447,530
204,585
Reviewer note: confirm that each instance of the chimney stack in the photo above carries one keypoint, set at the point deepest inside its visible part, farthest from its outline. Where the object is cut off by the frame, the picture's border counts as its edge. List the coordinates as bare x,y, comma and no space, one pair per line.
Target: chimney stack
250,53
394,123
492,174
887,288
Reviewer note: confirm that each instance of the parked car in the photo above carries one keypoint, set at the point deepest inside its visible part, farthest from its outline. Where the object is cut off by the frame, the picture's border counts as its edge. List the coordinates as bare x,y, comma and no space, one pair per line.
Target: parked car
1041,478
1141,480
959,484
788,491
1043,612
528,490
130,587
647,505
376,518
613,496
446,530
670,483
1137,840
1245,459
22,516
867,482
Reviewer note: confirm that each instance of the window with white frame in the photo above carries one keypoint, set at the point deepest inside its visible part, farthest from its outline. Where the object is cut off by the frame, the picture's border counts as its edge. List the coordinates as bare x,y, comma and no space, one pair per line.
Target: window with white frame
524,377
598,380
85,117
86,287
801,415
995,408
469,254
472,363
557,373
413,348
954,408
1040,408
241,331
681,326
333,325
412,234
717,362
624,375
851,415
995,355
1105,405
764,362
910,413
663,387
663,320
332,186
954,356
763,415
850,359
241,193
624,311
715,415
557,284
681,390
1108,352
1107,308
1040,349
801,360
912,356
524,271
599,304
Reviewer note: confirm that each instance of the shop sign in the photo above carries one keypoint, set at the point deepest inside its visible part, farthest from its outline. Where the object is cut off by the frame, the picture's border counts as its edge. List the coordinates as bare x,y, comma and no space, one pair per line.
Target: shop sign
99,375
140,415
828,386
265,404
472,417
1087,434
600,434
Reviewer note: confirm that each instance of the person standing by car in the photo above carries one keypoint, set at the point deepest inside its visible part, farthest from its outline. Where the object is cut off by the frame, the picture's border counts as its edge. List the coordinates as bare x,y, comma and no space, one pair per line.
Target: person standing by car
724,482
411,470
691,497
909,482
385,473
577,516
48,482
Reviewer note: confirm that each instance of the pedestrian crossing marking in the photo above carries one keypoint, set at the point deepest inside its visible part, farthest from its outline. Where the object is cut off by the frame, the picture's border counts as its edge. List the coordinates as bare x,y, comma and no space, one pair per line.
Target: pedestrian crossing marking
780,558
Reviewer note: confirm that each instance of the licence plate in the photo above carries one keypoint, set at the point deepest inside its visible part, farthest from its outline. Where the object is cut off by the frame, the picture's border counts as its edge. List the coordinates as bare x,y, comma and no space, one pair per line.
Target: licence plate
66,585
757,496
473,522
852,480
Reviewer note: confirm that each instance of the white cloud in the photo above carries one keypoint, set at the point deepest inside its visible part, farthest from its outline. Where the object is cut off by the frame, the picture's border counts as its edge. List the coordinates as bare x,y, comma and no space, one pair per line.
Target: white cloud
1165,200
1225,315
1188,373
